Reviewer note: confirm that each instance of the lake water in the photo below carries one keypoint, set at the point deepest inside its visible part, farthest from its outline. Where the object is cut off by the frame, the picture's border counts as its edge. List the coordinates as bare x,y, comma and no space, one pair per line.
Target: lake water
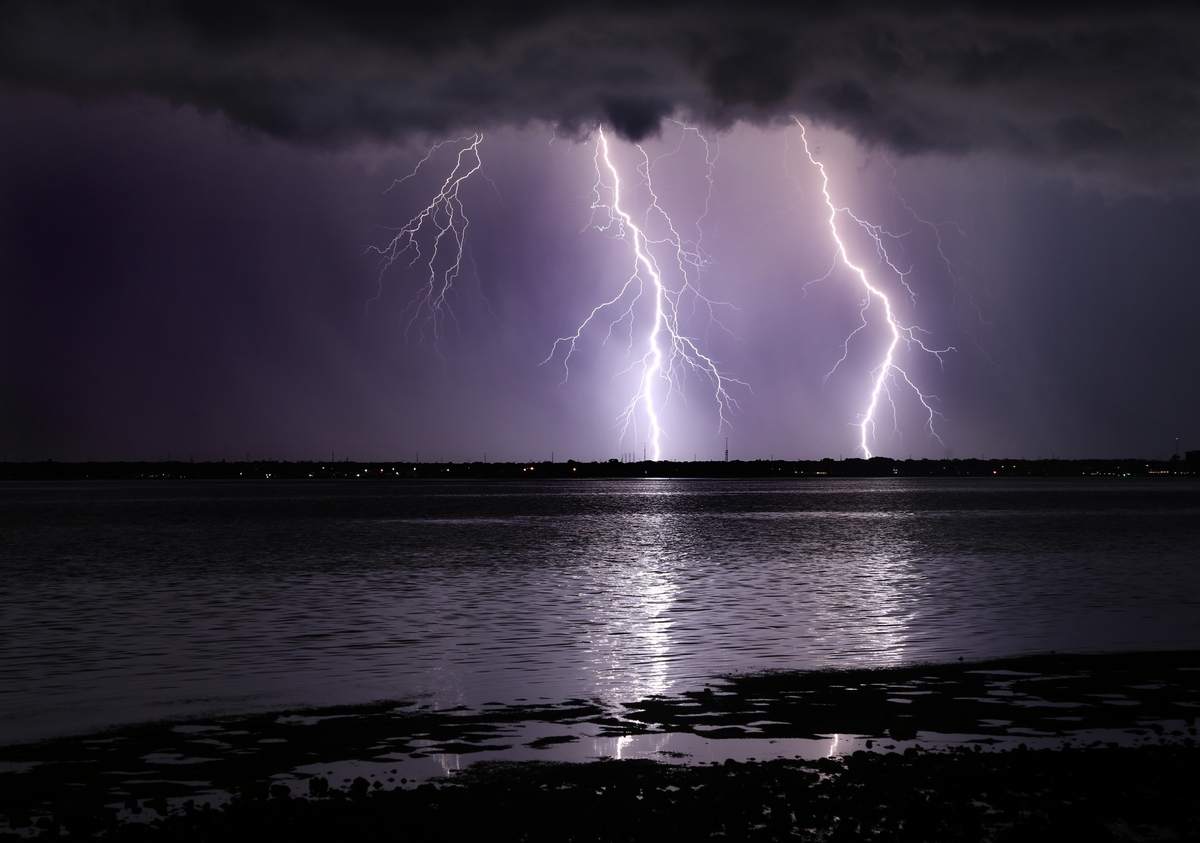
128,602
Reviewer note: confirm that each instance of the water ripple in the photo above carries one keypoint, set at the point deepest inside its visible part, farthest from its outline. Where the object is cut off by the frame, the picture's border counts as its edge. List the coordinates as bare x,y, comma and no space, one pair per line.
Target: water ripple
127,602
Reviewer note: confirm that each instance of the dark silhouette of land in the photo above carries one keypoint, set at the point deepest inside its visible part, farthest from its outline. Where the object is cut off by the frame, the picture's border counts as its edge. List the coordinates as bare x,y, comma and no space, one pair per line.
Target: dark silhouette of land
1132,794
1124,767
393,470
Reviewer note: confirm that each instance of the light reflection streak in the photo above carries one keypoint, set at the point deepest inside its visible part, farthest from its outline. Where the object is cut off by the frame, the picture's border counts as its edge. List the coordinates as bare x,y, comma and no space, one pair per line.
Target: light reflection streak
629,644
871,621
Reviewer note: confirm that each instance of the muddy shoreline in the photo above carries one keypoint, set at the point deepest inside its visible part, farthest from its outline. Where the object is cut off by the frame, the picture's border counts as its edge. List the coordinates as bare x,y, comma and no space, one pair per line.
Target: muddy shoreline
1002,745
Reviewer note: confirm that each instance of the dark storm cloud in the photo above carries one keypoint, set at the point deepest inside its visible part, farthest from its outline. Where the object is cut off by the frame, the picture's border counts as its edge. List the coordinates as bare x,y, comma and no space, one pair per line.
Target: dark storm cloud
1111,89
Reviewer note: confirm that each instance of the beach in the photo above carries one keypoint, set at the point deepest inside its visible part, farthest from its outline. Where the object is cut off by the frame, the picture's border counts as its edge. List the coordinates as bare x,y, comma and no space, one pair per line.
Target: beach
1051,746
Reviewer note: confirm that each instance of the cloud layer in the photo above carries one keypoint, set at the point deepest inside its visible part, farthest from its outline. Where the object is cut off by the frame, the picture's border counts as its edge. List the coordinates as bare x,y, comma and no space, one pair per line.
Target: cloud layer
1111,91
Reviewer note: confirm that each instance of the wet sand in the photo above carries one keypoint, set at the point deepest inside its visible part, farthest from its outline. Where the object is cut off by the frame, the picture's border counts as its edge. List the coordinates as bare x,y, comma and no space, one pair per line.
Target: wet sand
1097,794
1011,749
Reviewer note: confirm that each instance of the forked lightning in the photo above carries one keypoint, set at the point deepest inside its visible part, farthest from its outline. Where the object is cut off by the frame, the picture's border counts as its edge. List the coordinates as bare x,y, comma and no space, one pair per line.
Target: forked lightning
443,217
668,354
888,371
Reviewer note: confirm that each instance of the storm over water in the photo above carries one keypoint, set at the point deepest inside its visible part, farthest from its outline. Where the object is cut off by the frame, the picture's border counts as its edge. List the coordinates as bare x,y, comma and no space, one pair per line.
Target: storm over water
147,601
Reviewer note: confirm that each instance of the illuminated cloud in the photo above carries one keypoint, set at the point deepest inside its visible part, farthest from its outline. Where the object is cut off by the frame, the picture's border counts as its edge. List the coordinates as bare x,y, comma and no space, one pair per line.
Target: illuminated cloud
1110,90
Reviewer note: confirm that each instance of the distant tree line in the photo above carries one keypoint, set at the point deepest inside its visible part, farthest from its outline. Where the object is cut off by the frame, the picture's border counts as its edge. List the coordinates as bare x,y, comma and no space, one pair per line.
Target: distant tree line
1188,466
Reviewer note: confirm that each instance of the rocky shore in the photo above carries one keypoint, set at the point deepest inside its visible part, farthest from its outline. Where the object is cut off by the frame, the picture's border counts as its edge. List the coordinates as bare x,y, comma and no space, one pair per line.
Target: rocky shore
1047,747
1117,794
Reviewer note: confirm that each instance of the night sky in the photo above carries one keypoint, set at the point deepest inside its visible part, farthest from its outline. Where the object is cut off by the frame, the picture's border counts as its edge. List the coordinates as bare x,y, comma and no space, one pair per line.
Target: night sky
188,192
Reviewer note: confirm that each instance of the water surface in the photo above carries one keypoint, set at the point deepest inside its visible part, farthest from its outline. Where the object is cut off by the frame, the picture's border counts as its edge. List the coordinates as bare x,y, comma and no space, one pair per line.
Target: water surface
126,602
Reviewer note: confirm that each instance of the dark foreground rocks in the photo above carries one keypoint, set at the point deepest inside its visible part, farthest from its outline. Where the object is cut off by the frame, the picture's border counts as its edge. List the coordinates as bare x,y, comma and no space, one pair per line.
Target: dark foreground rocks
1105,794
1119,762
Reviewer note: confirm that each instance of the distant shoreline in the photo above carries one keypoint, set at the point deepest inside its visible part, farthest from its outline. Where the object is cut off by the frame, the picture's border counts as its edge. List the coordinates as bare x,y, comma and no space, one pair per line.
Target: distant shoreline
609,469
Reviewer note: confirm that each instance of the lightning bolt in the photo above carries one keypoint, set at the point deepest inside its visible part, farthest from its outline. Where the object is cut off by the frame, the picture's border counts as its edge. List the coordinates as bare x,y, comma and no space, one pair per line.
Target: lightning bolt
888,372
936,227
442,225
669,353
